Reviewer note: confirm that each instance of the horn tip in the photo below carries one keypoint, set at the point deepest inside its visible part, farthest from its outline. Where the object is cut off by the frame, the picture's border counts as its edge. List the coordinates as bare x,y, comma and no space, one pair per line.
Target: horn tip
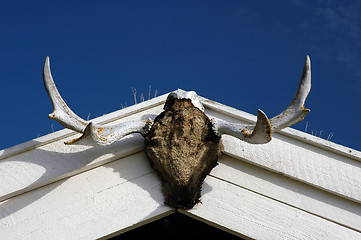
47,62
308,61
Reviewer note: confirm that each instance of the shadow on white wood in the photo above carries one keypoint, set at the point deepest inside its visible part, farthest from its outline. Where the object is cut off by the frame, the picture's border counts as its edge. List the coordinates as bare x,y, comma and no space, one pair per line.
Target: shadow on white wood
296,186
50,162
289,191
247,213
93,204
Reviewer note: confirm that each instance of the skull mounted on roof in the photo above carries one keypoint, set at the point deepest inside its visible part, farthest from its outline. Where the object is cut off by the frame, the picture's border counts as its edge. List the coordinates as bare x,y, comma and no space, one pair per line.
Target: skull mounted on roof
182,143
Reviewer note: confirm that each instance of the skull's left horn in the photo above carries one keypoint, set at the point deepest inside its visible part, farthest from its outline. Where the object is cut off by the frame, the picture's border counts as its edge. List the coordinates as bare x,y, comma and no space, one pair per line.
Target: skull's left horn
296,111
255,134
103,135
261,132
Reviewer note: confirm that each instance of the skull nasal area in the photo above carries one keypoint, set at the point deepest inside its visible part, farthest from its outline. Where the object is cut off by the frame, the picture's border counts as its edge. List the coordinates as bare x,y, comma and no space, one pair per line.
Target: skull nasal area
180,94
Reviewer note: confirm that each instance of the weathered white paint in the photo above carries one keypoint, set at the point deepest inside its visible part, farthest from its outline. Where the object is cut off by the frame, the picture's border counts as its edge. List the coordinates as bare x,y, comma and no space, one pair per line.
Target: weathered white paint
44,164
309,161
297,185
113,198
288,191
144,108
247,213
237,115
304,162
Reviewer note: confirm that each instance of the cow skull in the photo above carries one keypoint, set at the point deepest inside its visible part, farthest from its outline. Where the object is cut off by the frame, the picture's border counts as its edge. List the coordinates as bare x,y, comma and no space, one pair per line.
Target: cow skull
182,143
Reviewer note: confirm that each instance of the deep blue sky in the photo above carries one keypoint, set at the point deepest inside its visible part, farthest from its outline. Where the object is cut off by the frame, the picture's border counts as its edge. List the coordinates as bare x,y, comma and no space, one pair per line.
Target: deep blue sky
245,54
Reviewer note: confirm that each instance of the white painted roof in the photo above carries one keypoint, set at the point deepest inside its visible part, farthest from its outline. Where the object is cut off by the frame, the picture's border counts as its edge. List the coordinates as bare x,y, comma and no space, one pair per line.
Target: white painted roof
296,187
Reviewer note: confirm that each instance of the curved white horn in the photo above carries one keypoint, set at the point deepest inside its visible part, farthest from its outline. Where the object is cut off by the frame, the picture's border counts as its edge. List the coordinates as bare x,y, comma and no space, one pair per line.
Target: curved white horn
255,134
62,113
261,132
296,111
103,135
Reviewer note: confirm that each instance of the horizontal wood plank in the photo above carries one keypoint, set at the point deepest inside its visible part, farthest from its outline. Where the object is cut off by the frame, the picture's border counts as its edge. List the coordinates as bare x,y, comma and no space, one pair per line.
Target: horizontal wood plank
109,199
315,161
105,119
54,161
289,191
238,115
296,185
326,170
247,213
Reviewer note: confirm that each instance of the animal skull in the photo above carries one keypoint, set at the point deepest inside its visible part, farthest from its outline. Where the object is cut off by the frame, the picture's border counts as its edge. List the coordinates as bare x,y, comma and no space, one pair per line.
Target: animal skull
182,143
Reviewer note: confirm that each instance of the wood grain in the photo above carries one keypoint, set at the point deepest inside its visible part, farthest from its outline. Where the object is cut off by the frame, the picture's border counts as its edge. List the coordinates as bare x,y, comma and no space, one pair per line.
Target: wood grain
247,213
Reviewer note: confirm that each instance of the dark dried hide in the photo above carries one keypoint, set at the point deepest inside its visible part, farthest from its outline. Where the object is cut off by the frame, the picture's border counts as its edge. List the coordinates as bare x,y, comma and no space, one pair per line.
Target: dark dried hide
183,149
181,144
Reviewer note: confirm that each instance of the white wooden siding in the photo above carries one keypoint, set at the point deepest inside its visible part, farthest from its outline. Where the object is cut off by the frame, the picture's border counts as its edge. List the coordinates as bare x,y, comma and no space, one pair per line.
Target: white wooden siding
112,198
45,162
296,187
247,213
290,192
